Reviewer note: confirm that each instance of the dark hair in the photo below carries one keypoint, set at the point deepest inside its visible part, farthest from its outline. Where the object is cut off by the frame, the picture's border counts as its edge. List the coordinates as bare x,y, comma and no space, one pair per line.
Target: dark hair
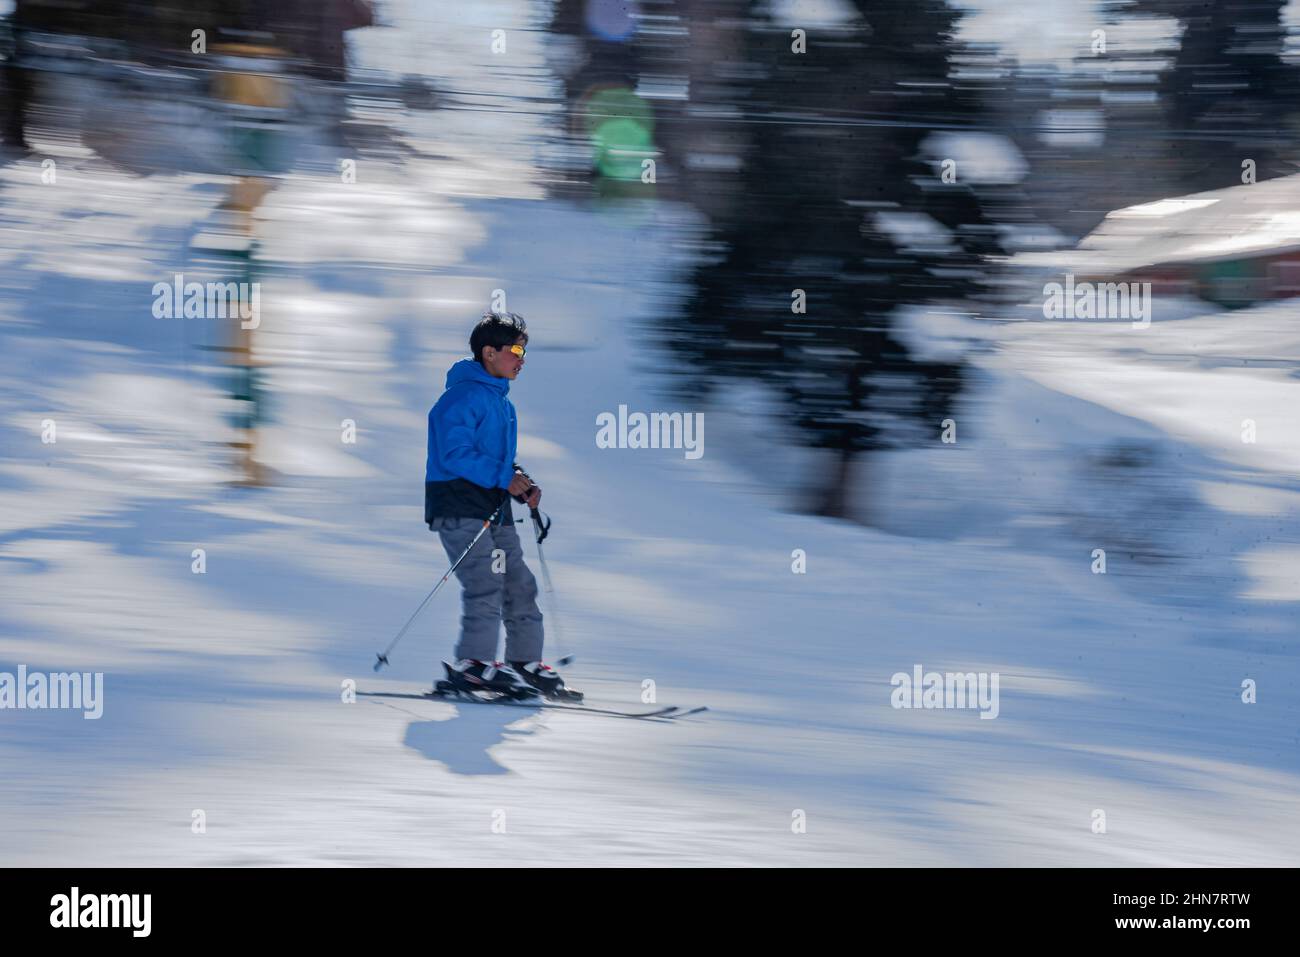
498,330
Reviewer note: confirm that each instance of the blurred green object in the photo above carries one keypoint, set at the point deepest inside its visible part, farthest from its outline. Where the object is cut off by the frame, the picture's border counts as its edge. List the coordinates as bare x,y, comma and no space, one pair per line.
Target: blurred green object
620,125
1234,283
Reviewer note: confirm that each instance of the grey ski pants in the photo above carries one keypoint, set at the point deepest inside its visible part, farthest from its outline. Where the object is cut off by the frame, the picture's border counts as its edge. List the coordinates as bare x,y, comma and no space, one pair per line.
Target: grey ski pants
496,586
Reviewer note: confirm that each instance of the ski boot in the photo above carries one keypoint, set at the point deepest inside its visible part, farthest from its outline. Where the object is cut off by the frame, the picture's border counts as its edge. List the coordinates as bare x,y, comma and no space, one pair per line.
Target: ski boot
469,677
546,680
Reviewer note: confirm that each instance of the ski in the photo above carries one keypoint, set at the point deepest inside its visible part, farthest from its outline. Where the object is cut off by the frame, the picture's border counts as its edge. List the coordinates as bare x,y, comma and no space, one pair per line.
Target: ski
667,712
533,703
683,714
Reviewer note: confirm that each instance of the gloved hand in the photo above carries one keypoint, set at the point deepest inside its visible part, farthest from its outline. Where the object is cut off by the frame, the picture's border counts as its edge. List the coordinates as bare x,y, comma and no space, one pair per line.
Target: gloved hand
520,486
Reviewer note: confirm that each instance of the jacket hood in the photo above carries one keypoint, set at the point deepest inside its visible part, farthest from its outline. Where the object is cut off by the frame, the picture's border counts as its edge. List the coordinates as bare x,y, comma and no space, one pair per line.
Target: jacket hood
469,370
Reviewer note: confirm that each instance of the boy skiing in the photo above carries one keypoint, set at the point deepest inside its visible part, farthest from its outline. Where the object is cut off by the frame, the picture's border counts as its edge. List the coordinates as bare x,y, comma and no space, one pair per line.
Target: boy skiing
470,477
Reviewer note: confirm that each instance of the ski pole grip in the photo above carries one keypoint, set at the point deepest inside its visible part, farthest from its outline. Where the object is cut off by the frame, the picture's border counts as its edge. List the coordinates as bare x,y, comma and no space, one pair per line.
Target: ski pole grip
541,524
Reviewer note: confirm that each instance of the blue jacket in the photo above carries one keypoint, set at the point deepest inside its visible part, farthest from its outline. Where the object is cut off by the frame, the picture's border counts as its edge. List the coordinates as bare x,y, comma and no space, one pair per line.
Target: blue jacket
472,437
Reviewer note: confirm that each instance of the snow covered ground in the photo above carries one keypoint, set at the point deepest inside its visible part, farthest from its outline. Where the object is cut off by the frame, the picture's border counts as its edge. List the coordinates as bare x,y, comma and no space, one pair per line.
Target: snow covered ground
1119,692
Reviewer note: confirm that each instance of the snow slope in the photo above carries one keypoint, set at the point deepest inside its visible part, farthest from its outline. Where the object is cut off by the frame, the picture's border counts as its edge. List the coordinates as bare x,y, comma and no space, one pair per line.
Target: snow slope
1120,692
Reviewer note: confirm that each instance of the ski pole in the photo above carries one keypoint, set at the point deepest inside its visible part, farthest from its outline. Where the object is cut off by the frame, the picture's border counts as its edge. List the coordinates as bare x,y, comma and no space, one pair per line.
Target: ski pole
383,656
542,525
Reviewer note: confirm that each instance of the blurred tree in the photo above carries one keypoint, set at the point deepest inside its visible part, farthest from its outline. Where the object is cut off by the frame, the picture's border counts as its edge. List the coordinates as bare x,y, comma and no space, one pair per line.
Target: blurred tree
1229,94
840,201
812,171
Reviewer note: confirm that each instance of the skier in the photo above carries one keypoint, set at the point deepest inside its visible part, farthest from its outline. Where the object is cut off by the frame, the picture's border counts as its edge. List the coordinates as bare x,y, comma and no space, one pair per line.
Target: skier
469,474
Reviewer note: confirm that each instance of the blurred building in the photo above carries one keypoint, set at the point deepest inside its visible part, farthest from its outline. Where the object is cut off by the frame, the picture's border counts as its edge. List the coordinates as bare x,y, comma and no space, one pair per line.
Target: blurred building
1233,247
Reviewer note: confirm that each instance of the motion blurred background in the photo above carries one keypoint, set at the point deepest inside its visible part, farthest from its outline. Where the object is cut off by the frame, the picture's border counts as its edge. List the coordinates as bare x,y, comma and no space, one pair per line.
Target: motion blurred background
829,226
